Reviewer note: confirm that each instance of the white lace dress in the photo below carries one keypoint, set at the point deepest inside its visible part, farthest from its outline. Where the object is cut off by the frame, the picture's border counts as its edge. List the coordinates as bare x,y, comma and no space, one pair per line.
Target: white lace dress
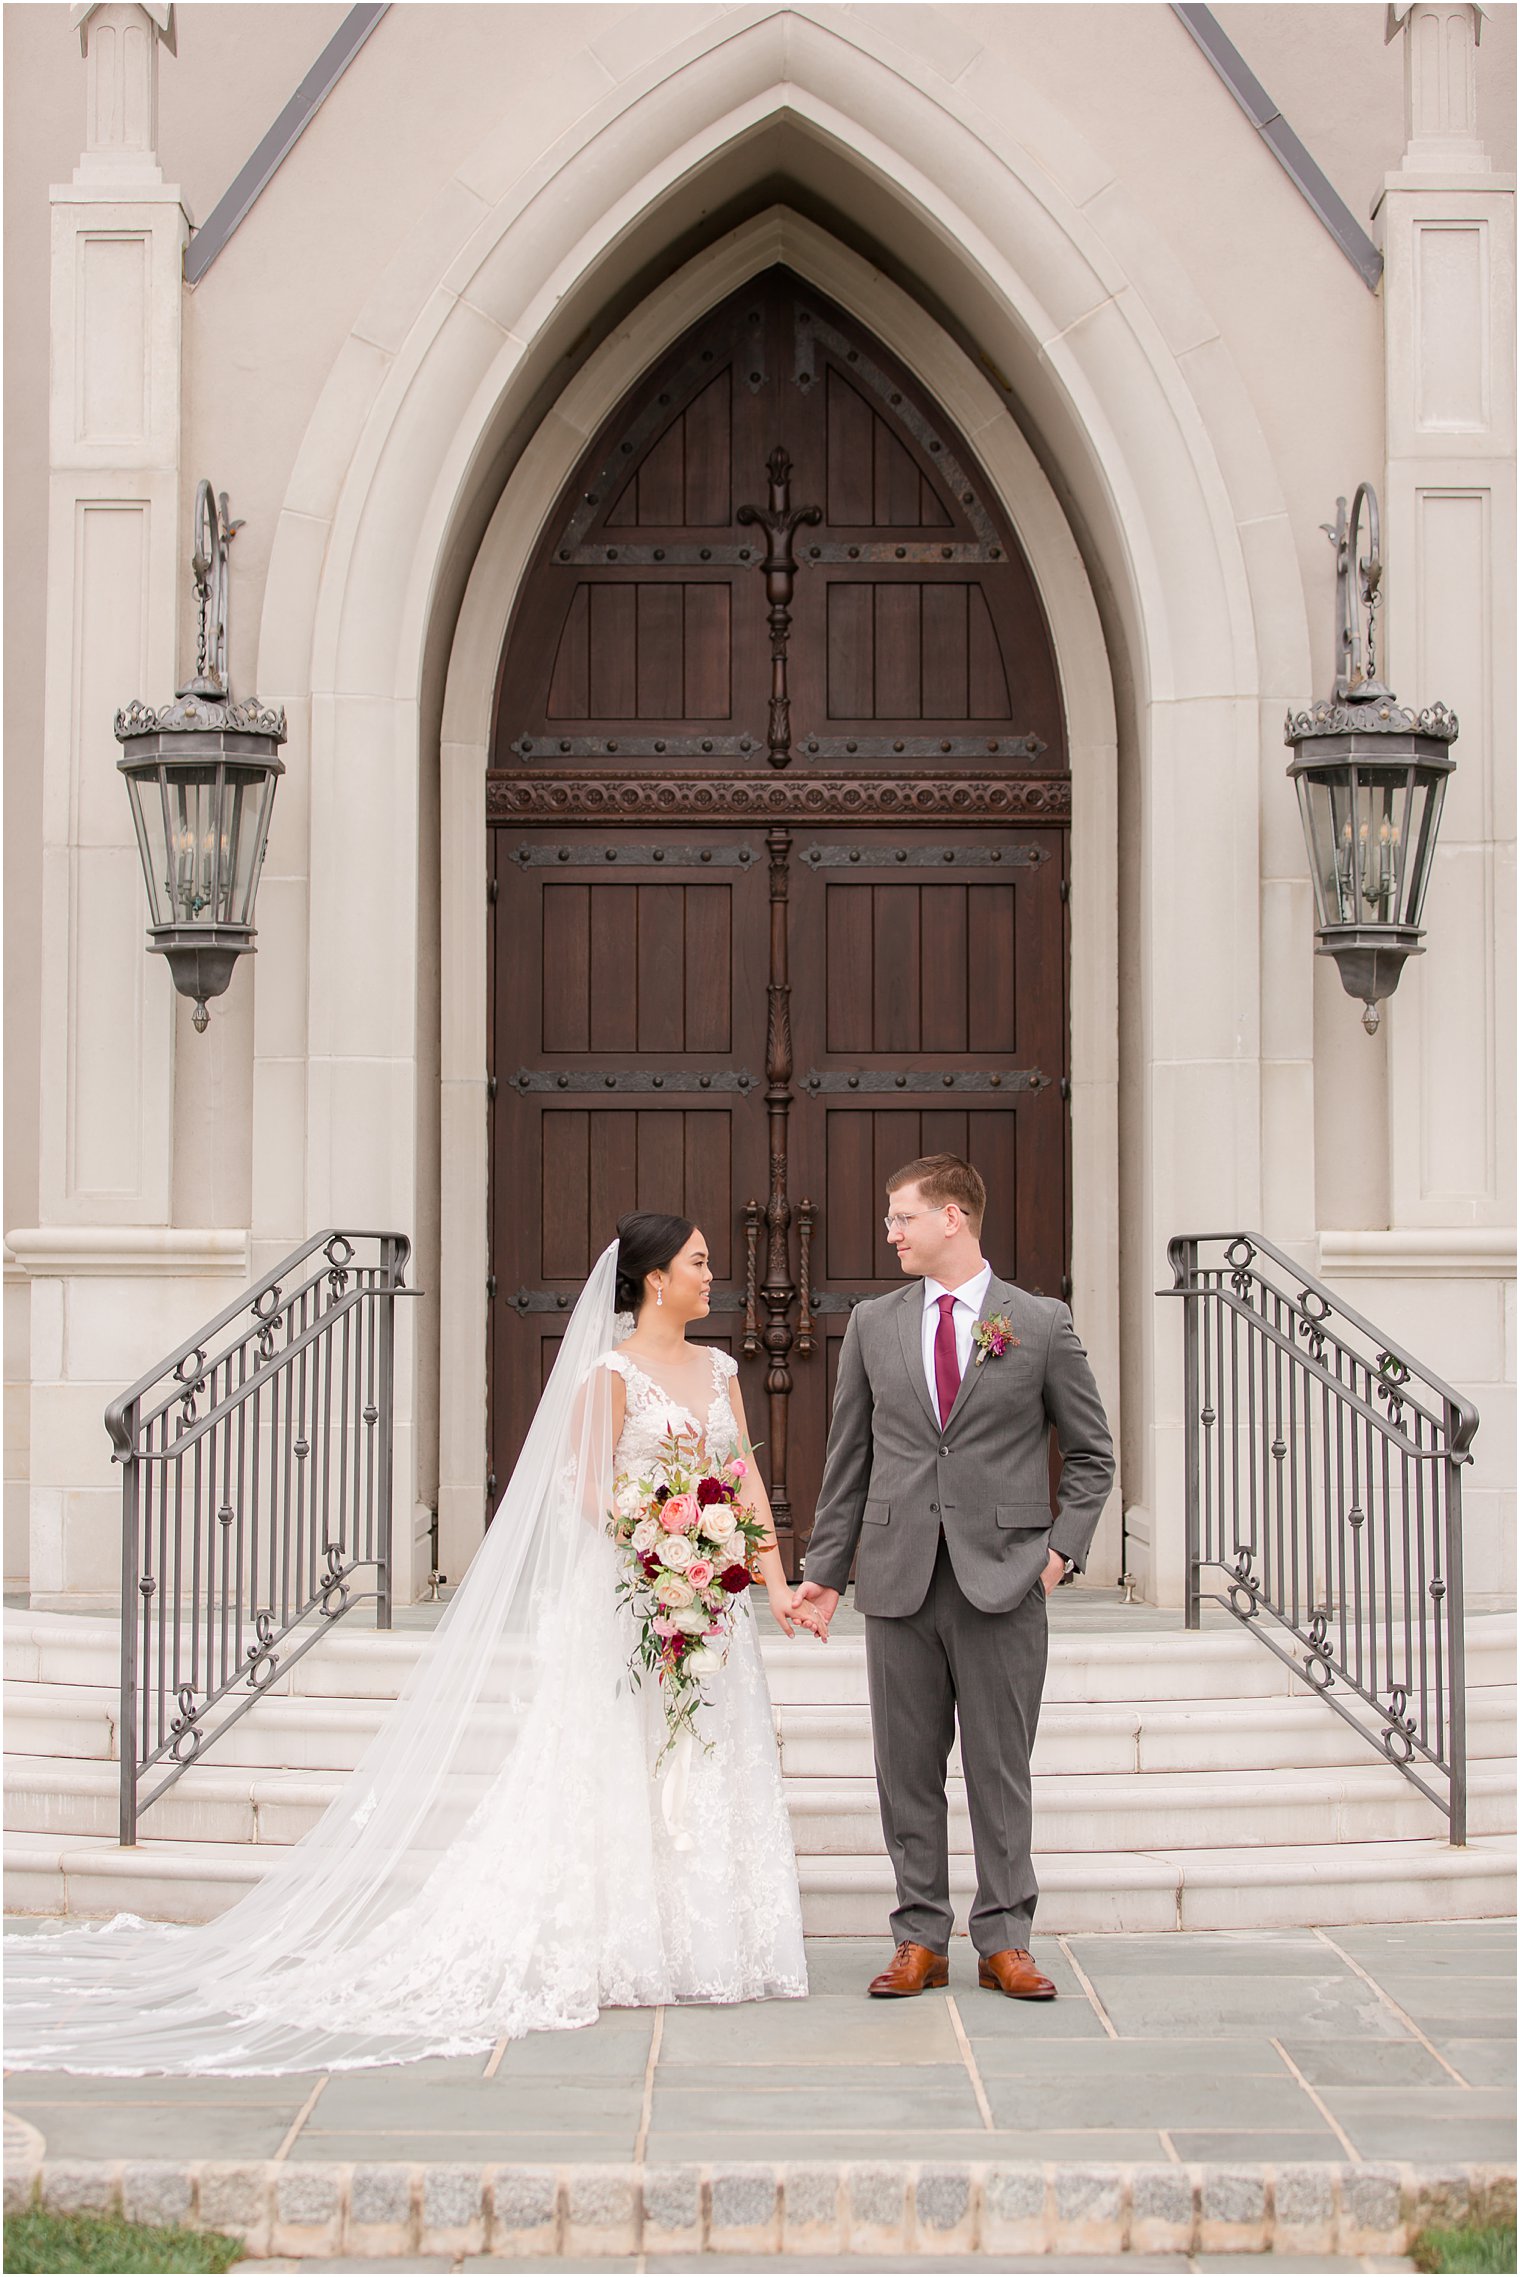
569,1891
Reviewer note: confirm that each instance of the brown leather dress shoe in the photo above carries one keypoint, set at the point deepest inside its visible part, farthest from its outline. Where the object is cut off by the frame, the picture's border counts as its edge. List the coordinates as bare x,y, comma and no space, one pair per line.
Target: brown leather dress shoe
913,1968
1014,1973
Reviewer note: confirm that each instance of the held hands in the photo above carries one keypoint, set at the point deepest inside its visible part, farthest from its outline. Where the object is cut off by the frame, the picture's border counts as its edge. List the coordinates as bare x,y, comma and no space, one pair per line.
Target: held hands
790,1615
815,1607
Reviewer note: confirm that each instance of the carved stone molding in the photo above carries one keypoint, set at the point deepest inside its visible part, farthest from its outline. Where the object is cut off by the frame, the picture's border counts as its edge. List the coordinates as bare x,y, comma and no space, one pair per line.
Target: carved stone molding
529,798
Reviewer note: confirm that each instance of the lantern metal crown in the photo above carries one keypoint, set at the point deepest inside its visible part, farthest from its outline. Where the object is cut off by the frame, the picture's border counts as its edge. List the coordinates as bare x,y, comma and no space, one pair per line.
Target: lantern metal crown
1371,775
201,774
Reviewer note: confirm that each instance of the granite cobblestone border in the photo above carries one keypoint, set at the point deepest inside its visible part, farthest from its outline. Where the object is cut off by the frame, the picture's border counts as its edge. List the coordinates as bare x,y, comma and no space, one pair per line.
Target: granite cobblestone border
590,2212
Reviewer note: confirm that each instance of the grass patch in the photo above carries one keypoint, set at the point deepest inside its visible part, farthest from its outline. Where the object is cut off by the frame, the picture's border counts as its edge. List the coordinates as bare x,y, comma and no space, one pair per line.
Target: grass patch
40,2239
1486,2246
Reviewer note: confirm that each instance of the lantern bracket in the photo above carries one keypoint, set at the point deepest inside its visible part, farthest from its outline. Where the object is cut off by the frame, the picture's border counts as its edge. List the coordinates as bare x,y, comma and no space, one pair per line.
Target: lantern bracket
214,533
1358,586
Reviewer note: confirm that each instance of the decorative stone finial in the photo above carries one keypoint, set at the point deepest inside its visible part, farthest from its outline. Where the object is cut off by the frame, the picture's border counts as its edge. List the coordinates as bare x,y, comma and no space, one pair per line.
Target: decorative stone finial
1440,85
120,45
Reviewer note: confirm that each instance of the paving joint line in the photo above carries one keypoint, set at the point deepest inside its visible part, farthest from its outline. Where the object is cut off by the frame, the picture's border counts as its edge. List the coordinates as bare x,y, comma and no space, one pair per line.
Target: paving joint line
1172,2152
493,2064
646,2107
1390,2003
300,2119
1085,1981
969,2060
1320,2105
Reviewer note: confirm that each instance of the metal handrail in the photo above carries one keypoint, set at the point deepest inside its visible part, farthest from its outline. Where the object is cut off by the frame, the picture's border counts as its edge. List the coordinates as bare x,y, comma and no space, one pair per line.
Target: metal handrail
1323,1476
256,1484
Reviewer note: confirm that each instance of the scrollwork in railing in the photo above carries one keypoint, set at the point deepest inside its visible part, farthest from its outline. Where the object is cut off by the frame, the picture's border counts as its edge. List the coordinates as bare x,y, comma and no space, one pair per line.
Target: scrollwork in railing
1400,1734
185,1731
1317,1663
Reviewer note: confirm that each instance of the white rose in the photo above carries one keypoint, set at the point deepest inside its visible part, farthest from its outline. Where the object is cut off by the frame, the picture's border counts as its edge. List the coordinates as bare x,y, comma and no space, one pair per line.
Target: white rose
672,1590
646,1535
719,1521
676,1551
628,1499
700,1660
694,1620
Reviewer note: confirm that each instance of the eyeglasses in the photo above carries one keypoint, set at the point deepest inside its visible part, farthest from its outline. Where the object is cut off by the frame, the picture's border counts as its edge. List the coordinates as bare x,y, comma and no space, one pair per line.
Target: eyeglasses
900,1220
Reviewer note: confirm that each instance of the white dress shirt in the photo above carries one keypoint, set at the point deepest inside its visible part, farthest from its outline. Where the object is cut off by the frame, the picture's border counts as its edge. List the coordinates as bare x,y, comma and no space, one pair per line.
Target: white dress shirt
969,1298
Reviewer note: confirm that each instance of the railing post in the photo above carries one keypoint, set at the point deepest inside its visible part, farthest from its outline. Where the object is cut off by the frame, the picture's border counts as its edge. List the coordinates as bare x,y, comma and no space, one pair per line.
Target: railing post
126,1723
392,1255
1187,1266
1456,1627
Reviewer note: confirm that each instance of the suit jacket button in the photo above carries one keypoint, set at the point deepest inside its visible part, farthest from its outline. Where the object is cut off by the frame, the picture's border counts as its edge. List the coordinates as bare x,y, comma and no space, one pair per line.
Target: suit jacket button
934,1509
944,1450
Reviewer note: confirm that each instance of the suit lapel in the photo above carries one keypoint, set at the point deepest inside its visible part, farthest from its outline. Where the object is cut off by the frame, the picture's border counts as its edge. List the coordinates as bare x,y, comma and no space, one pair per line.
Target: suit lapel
994,1300
910,1327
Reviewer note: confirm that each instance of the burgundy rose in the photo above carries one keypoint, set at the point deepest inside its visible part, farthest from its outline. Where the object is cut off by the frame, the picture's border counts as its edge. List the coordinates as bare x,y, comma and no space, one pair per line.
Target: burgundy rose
734,1578
650,1563
711,1490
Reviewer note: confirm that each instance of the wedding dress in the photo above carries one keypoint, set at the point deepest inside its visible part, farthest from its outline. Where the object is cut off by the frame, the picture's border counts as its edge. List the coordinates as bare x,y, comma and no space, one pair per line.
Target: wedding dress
507,1857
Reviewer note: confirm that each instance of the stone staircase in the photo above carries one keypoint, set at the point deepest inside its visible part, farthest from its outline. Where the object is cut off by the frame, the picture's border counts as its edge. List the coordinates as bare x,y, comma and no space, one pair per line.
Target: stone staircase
1180,1782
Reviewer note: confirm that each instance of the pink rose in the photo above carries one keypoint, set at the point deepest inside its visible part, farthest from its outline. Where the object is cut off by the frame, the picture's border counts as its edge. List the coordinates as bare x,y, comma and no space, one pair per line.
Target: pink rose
738,1468
663,1628
700,1572
679,1514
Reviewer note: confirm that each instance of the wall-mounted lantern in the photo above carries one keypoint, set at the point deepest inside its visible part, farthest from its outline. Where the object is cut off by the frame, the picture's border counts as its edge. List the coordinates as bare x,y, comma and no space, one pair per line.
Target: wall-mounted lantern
201,775
1371,777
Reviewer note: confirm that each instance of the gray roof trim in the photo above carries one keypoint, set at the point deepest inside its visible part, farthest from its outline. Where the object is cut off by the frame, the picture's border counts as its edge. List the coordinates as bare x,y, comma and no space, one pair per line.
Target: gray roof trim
230,210
1275,132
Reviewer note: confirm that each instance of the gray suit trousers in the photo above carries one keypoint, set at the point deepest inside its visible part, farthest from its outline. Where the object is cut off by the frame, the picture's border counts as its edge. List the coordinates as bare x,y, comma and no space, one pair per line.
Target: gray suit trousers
919,1665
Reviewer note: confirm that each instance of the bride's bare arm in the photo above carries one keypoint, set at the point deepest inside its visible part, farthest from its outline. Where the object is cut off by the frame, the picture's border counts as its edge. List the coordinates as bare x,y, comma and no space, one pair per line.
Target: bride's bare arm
788,1617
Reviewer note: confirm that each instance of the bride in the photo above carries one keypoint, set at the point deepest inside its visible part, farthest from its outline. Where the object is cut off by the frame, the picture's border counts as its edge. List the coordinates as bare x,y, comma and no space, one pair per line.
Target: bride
518,1847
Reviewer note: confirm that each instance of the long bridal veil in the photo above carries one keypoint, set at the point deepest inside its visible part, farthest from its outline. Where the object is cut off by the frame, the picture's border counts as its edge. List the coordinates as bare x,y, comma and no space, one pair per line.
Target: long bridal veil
434,1904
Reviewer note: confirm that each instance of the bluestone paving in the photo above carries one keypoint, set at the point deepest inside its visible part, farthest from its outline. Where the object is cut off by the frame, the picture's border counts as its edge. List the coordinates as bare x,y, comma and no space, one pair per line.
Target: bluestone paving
840,2076
1209,2146
1482,2063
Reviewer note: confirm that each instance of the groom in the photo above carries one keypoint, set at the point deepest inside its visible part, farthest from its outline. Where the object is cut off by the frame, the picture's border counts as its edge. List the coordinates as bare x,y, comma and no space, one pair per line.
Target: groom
937,1473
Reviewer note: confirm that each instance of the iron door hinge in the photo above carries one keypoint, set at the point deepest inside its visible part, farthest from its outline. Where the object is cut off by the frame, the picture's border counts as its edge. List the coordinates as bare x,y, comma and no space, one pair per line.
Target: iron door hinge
1065,889
491,1088
1065,1087
1066,1287
490,1284
491,884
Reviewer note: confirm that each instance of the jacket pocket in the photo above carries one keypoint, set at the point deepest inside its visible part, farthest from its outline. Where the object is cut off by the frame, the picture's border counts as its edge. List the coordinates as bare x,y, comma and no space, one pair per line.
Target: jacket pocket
877,1513
1025,1517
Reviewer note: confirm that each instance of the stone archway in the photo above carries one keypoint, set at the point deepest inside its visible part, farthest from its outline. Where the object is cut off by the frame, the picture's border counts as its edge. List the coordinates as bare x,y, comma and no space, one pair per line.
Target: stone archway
1161,468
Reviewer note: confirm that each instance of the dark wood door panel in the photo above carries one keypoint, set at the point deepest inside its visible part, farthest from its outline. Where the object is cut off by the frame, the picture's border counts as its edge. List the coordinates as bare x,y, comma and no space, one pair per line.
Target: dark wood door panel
715,981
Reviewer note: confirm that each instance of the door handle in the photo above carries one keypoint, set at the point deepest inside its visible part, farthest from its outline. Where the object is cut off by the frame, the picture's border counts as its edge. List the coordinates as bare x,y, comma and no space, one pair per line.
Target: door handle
752,1217
805,1217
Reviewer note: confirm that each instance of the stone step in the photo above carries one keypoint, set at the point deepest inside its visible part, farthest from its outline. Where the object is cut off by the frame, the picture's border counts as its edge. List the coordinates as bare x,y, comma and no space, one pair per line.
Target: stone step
78,1721
1292,1886
1097,1811
1118,1667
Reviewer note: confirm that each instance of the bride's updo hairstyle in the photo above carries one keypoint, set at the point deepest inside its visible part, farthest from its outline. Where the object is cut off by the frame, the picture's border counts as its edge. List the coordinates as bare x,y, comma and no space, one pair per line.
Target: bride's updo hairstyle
648,1241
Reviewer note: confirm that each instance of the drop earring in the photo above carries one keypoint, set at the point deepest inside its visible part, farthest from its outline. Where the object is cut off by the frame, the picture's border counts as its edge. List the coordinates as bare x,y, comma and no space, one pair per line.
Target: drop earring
659,1293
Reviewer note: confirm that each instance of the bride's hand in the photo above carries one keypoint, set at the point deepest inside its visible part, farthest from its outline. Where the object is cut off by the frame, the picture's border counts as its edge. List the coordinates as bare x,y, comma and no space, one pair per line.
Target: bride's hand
789,1617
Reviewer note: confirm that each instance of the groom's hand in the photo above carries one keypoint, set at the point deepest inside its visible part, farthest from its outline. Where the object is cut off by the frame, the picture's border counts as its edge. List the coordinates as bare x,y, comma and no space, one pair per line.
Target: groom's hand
1054,1574
825,1602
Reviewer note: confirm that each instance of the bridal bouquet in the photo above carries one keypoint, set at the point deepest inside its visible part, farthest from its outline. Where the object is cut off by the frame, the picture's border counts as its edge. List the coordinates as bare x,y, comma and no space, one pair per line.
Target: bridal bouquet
688,1541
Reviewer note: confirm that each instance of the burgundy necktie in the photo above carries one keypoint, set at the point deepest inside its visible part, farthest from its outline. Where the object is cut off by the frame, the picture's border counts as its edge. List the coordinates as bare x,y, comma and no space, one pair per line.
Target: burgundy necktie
947,1366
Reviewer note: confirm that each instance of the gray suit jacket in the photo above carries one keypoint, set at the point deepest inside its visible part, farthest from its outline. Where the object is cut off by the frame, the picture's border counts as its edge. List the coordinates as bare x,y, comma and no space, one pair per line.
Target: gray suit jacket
893,1479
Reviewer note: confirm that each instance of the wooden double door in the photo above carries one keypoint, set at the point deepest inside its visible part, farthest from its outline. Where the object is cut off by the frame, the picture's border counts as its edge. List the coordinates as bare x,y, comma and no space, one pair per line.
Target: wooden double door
778,827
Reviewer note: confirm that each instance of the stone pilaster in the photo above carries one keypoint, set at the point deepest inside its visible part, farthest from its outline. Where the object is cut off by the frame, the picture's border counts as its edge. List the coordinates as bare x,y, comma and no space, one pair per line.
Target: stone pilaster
1448,496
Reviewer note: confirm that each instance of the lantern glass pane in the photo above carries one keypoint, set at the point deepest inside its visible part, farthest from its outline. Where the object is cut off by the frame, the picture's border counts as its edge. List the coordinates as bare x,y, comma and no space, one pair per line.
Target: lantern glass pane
1381,823
193,809
237,869
1331,830
150,822
1426,796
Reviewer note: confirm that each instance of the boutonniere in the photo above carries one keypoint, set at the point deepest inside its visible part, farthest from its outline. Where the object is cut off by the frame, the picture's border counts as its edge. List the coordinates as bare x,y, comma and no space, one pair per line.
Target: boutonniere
993,1337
